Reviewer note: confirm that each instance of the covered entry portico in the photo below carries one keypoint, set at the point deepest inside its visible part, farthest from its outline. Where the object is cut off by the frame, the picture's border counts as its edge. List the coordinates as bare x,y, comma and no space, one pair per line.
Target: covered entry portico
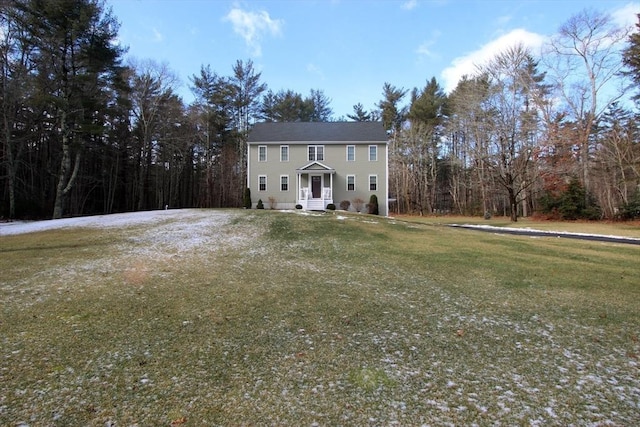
315,186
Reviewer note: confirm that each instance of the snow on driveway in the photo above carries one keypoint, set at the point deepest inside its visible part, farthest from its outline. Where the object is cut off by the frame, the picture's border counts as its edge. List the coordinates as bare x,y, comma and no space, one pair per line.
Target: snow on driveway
97,221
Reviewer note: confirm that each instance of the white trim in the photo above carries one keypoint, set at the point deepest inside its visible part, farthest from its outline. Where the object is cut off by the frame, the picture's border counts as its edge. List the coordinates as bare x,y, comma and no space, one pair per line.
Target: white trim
265,153
315,153
386,193
325,168
265,183
369,154
288,183
369,184
354,152
354,182
287,147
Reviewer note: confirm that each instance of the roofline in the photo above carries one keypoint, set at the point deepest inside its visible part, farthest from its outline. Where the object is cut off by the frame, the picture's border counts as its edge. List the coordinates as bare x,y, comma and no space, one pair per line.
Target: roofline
317,142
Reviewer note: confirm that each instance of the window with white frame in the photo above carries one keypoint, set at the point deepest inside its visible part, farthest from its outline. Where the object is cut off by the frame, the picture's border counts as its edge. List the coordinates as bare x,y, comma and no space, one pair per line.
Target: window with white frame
284,153
351,183
262,183
262,153
351,153
373,153
284,182
316,153
373,182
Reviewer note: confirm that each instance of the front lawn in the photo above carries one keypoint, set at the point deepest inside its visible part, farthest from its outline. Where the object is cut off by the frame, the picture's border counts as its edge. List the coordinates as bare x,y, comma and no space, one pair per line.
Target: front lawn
234,317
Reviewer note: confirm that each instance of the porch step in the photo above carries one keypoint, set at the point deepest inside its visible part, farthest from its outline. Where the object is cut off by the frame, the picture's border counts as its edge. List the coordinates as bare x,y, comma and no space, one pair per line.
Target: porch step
315,205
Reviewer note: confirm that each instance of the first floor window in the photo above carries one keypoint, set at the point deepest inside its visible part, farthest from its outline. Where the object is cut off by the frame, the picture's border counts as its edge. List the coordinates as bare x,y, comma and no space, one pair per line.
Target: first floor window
262,183
262,153
351,183
373,182
284,183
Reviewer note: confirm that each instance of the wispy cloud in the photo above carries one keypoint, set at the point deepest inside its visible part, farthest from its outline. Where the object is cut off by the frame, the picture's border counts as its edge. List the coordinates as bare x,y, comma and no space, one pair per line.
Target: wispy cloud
424,50
627,16
157,35
315,70
410,4
253,27
468,64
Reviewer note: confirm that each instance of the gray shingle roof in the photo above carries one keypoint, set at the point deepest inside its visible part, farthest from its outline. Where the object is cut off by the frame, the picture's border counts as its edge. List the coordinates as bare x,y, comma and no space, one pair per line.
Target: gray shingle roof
318,131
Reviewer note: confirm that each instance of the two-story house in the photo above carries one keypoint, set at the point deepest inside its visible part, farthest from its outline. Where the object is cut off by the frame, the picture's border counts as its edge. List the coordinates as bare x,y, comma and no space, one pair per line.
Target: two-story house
318,163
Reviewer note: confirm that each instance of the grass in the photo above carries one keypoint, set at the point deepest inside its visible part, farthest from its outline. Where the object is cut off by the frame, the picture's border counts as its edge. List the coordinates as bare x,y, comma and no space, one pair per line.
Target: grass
264,317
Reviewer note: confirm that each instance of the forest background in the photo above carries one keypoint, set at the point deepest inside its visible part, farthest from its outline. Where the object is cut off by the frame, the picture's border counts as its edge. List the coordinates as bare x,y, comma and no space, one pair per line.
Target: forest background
551,133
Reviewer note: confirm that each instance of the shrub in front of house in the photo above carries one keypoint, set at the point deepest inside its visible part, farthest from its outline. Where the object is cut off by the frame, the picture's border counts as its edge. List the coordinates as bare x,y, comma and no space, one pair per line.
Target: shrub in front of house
260,205
331,207
357,204
344,205
246,198
273,203
373,205
298,206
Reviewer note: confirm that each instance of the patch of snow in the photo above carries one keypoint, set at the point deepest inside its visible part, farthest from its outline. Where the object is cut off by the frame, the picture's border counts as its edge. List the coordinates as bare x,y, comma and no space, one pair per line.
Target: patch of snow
96,221
545,232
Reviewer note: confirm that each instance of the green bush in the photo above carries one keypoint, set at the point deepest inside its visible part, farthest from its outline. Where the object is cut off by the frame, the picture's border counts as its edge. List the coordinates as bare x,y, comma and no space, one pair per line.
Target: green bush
331,207
631,209
246,198
298,206
574,203
373,205
260,205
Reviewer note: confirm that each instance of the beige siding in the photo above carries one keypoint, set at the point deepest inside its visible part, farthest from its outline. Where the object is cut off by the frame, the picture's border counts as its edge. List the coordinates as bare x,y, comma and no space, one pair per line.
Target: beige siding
335,156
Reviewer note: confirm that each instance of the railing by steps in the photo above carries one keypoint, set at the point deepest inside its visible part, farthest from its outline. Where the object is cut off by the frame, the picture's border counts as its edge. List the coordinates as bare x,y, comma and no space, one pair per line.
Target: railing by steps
308,203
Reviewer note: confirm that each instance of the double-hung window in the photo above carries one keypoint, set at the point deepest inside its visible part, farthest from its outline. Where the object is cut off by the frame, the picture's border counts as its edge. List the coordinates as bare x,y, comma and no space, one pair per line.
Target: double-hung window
284,182
373,153
316,153
284,153
262,153
262,183
351,183
351,153
373,182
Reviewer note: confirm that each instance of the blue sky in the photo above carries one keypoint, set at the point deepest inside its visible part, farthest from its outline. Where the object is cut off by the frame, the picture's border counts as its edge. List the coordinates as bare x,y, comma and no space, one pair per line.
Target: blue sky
346,48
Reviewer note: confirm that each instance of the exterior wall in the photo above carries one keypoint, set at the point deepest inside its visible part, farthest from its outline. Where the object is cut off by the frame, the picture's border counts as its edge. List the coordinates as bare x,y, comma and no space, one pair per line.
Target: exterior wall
335,156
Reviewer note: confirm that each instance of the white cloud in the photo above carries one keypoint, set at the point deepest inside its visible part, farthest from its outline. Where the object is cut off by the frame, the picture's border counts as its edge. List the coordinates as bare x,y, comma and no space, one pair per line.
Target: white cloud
314,69
627,16
410,4
253,26
157,35
468,64
425,47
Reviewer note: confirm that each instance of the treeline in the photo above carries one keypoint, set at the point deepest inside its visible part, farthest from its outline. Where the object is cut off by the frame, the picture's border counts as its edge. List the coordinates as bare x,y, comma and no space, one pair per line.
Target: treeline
84,133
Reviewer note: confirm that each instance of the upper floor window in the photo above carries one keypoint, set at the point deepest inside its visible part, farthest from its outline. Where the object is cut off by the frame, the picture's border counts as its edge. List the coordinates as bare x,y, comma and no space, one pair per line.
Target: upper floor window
351,153
284,153
373,182
316,153
262,153
262,183
373,153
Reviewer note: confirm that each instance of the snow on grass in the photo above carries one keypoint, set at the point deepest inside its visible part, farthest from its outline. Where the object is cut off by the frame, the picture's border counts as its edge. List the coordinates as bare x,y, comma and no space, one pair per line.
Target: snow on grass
242,318
542,232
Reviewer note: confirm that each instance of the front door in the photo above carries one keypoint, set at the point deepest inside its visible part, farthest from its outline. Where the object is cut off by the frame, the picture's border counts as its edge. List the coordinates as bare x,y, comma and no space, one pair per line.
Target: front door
316,186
